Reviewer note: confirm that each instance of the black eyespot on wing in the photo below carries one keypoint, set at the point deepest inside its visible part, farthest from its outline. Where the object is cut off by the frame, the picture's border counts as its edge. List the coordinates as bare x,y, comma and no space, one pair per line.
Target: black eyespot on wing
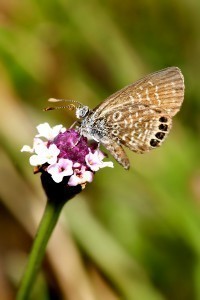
160,135
154,142
163,127
163,119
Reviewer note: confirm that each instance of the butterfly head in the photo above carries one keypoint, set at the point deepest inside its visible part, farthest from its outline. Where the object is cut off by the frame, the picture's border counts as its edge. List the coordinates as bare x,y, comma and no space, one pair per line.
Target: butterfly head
82,111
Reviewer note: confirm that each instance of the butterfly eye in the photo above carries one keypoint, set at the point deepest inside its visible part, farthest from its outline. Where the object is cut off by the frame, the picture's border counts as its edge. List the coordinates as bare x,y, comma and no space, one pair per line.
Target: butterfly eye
82,111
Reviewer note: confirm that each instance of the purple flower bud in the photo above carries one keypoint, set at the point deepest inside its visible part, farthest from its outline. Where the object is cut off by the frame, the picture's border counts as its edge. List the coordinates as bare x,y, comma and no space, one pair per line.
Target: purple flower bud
72,146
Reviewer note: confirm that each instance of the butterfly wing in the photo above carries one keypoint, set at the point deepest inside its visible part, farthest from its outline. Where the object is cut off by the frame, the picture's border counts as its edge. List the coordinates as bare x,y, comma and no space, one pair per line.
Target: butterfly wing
140,115
163,89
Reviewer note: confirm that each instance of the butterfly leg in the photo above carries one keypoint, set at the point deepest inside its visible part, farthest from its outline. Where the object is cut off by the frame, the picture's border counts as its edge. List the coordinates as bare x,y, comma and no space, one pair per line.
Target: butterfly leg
117,152
73,124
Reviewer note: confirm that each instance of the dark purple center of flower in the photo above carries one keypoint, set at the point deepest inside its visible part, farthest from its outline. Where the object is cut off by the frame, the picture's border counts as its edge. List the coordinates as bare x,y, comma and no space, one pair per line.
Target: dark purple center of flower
72,146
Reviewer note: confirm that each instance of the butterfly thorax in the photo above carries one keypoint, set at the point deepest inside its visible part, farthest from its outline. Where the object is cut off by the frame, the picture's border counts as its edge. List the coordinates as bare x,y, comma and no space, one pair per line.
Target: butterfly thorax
90,126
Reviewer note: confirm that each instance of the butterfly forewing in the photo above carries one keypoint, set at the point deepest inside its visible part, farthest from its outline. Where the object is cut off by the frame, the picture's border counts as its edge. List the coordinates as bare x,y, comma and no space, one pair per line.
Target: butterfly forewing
164,88
140,115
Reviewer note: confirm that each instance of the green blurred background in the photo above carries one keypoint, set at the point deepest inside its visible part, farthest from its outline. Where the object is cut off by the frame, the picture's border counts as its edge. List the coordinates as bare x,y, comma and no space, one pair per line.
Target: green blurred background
130,235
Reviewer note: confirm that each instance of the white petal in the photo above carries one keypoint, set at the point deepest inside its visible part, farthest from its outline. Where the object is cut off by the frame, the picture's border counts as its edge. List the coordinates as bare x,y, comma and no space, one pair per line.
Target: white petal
57,177
40,149
107,164
63,130
51,160
49,133
76,165
53,149
101,155
66,165
36,160
44,130
58,170
56,130
54,171
88,176
37,142
27,148
94,167
74,180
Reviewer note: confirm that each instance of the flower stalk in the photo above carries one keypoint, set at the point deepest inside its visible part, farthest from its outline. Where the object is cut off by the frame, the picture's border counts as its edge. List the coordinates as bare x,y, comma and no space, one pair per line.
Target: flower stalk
47,224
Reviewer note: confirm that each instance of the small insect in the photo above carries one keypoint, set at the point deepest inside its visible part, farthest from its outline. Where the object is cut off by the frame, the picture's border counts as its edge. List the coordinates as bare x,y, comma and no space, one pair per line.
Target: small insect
139,116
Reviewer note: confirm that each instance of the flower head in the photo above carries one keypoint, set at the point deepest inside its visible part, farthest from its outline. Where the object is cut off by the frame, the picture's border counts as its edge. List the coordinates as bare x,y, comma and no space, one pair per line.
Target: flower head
65,155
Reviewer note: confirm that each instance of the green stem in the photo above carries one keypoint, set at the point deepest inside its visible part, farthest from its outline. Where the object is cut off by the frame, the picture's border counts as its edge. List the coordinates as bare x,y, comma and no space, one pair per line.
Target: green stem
47,224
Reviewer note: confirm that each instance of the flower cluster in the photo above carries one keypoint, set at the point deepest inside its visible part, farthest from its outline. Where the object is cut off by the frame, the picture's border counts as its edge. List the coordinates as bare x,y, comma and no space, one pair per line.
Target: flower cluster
62,152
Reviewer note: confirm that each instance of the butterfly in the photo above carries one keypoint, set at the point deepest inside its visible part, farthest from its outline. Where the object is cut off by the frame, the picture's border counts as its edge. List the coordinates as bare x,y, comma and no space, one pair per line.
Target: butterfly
139,116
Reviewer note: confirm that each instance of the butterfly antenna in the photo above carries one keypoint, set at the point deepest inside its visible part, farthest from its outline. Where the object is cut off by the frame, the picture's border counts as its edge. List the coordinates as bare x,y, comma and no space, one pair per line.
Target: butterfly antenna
71,106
